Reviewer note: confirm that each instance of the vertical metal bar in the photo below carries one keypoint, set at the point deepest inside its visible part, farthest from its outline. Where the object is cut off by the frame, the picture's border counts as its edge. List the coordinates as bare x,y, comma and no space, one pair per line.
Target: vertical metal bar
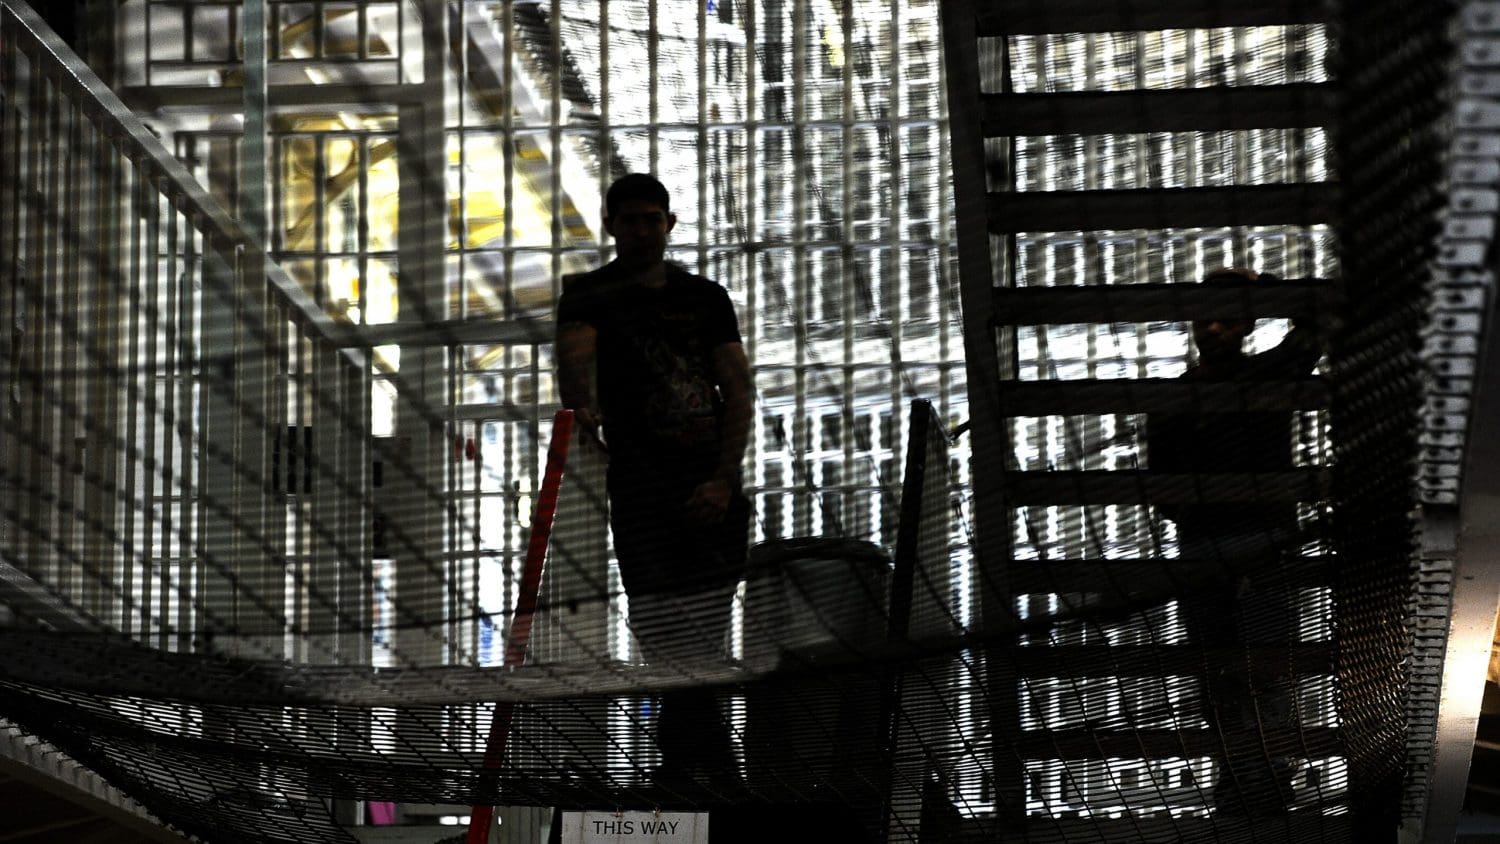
401,44
30,315
40,429
320,246
605,127
11,321
703,159
653,86
461,539
982,353
188,53
508,156
116,224
171,556
317,400
461,94
152,556
849,259
554,140
363,32
278,174
252,169
266,550
358,516
147,60
362,211
320,34
753,274
800,21
210,549
236,45
289,500
133,268
188,324
333,610
452,476
471,539
895,171
74,327
526,462
276,556
108,224
438,364
44,272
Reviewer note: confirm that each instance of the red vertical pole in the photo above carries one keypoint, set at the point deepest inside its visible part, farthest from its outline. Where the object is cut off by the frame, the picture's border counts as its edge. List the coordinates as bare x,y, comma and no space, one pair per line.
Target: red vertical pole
480,817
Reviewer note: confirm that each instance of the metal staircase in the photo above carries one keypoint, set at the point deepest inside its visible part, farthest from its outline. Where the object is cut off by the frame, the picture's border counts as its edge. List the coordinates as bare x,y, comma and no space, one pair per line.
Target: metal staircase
1045,787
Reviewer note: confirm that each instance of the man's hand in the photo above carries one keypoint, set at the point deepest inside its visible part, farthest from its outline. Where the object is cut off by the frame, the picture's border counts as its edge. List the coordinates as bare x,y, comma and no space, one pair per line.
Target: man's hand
589,422
588,419
709,503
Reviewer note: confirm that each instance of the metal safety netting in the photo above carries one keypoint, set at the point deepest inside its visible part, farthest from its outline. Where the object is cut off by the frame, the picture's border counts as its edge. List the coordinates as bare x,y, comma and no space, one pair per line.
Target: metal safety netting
1081,362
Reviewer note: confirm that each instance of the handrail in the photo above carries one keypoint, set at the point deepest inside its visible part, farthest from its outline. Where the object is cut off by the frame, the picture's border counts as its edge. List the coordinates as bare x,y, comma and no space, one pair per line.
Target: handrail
520,627
139,142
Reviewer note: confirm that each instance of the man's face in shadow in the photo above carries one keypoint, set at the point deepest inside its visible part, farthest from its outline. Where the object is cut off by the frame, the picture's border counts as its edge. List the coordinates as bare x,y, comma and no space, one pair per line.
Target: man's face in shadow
1220,339
640,230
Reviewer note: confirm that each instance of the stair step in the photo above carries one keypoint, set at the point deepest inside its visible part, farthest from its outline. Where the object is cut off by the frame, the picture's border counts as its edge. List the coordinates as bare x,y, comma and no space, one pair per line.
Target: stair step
1221,108
1308,742
1298,827
1137,487
1157,395
1112,303
1041,17
1162,208
1099,661
1487,733
1128,577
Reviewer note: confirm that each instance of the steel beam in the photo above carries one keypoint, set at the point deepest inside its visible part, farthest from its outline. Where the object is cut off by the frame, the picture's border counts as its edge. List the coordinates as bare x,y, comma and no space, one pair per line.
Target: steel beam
1221,108
1043,17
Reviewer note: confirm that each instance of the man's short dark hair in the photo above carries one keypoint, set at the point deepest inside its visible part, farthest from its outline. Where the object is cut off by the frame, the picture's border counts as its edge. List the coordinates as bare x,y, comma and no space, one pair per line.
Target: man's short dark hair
1237,275
641,186
1230,275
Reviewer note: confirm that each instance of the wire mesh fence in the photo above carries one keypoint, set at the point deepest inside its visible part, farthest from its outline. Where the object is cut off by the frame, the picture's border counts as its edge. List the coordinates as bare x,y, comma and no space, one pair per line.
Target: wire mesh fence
266,505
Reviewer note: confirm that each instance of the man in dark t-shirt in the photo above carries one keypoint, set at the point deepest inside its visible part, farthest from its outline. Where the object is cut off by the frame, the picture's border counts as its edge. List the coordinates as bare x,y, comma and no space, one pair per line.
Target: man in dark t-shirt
1240,600
650,360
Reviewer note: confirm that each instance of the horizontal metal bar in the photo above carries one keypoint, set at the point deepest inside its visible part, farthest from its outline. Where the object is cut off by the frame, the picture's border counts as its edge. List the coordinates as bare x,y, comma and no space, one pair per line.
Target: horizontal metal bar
295,64
499,412
1220,108
1157,395
1123,742
1111,303
1294,828
1126,578
1140,487
362,98
477,332
1102,661
1042,17
1162,208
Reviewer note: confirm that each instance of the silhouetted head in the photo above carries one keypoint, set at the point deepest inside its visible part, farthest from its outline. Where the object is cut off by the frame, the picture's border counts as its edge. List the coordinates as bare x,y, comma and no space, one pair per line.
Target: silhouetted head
1219,340
638,215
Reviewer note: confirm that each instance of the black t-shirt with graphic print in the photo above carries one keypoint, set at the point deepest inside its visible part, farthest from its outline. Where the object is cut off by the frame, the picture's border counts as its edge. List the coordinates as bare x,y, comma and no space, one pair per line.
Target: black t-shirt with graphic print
656,382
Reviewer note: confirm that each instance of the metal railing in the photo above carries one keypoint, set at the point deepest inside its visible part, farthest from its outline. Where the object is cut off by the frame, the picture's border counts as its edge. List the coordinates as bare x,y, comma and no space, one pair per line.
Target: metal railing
183,455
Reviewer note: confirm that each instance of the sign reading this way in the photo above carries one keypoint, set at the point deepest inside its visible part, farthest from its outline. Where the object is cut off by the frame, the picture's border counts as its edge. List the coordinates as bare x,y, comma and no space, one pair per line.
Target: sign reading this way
635,828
